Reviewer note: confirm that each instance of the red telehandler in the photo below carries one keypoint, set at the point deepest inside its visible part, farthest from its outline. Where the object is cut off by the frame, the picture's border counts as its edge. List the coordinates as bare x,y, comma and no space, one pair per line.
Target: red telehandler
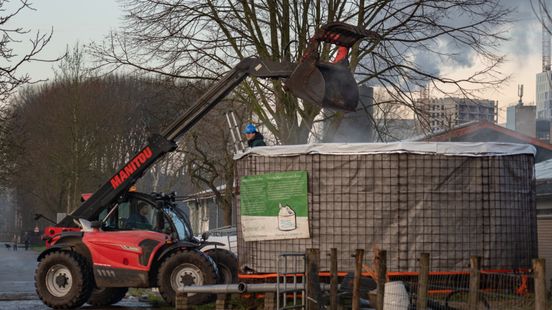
118,239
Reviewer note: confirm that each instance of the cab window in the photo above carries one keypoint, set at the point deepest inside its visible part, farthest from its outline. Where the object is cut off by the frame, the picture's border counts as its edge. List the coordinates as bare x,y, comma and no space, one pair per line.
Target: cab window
180,226
135,214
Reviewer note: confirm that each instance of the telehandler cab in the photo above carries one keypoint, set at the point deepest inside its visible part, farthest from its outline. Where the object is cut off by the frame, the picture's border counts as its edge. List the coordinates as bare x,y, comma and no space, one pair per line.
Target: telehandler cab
118,239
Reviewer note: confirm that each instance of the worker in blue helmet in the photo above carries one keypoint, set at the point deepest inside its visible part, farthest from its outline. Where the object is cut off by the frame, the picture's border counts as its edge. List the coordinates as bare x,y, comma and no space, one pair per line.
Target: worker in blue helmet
254,138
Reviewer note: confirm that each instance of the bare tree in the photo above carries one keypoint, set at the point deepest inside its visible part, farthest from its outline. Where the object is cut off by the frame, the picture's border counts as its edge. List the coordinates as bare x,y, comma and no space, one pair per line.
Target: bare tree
10,61
202,39
209,156
75,131
10,76
191,39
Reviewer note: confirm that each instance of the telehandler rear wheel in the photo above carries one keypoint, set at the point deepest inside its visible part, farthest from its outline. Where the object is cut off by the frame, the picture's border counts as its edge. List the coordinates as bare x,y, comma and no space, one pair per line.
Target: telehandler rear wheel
183,268
105,296
62,280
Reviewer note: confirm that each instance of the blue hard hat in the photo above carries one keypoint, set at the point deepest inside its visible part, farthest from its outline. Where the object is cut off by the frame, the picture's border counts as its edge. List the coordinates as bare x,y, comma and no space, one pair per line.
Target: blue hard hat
250,128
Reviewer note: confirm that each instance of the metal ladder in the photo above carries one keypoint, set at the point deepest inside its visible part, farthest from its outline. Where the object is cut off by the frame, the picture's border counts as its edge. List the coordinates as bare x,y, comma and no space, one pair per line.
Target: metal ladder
239,145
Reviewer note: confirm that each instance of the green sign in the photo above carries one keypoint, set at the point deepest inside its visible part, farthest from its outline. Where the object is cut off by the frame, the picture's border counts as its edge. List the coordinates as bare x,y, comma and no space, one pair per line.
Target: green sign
274,206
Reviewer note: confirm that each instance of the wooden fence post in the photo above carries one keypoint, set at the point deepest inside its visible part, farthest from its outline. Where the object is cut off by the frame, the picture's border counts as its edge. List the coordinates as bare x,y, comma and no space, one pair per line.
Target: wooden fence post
540,283
334,281
423,280
359,256
313,282
382,276
475,281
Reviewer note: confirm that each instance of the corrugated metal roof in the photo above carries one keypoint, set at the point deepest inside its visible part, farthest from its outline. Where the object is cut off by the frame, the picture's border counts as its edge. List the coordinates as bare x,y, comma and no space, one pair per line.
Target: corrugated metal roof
483,131
471,127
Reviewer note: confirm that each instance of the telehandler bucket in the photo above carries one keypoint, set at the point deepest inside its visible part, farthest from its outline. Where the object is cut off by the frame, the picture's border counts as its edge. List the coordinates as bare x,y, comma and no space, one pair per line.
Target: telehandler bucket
325,84
330,85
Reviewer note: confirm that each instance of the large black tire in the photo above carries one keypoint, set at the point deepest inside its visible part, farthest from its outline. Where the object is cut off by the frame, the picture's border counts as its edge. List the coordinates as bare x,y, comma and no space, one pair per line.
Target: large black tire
105,296
63,280
227,264
184,268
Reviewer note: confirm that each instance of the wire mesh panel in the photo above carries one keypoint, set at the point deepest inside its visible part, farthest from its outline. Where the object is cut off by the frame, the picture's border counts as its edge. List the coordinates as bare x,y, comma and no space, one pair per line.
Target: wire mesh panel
450,206
290,293
508,290
450,290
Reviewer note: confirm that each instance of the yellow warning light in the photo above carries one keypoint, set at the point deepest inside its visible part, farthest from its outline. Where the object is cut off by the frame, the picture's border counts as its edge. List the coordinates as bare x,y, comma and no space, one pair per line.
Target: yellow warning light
133,188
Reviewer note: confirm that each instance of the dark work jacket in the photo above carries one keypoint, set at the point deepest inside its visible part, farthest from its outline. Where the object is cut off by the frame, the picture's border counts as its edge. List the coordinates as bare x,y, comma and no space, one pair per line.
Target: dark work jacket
138,221
257,140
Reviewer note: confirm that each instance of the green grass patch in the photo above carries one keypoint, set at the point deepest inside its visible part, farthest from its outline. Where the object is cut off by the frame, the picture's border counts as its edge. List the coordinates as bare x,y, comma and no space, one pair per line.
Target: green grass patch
148,295
237,302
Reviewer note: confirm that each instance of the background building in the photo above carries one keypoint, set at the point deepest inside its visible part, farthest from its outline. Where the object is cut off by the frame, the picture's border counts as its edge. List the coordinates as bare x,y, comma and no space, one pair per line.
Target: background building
543,174
204,213
521,118
446,113
544,95
543,130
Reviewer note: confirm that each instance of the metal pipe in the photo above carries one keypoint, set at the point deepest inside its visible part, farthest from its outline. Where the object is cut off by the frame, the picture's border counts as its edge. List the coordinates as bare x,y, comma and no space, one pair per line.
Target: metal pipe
273,287
246,288
215,288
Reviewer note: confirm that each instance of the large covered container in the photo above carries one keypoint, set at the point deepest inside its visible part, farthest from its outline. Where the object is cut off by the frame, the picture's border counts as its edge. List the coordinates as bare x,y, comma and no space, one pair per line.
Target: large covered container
452,200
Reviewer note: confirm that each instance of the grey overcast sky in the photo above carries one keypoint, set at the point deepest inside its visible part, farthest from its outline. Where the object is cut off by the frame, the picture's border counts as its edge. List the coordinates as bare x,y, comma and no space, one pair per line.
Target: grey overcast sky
90,20
72,21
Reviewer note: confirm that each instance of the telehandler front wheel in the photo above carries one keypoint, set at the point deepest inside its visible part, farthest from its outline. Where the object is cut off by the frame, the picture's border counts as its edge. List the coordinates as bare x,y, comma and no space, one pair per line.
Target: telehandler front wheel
62,280
183,268
227,264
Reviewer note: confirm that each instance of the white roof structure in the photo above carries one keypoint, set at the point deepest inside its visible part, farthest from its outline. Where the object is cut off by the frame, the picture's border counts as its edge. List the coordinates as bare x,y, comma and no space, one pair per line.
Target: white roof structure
443,148
543,170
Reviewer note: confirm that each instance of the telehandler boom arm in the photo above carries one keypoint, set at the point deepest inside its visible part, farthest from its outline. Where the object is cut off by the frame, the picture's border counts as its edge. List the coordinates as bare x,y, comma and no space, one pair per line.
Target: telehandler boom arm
320,89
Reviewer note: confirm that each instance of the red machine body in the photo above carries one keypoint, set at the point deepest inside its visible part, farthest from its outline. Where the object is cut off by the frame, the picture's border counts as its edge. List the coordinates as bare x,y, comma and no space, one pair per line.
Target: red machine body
122,249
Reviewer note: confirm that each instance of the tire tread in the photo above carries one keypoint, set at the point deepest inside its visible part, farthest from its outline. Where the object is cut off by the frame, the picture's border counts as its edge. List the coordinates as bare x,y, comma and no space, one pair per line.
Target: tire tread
85,287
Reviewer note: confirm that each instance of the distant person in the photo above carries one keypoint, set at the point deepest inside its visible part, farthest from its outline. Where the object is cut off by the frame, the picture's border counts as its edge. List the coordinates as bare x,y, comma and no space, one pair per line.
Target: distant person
27,241
254,138
15,242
